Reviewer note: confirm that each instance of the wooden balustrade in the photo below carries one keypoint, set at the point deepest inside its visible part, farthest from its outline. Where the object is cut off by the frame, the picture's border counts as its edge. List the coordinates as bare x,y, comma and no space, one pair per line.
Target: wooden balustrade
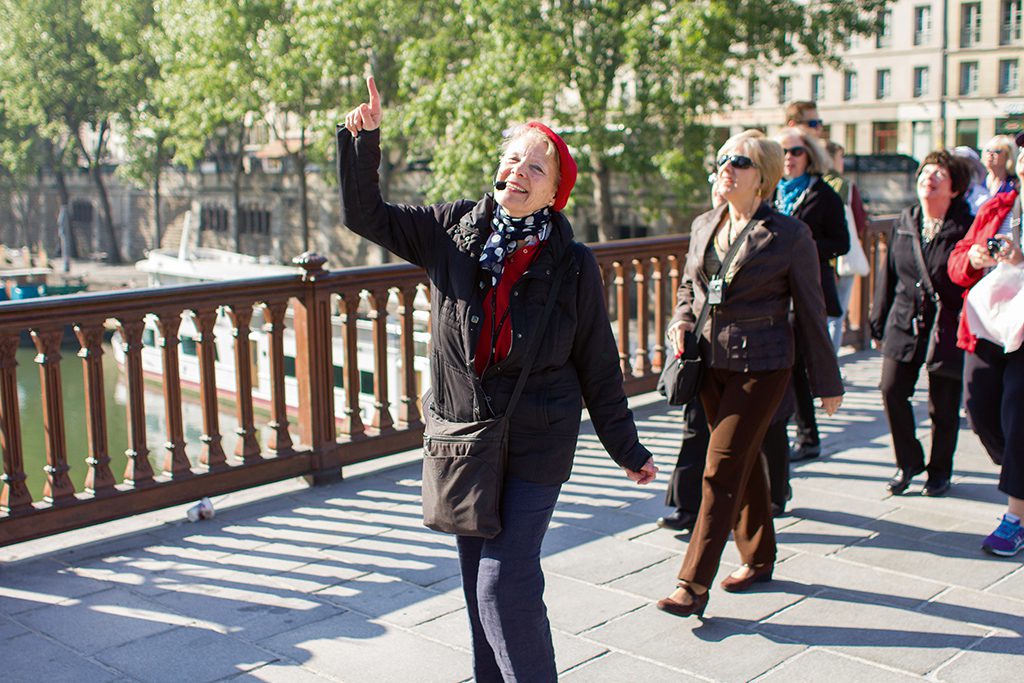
642,277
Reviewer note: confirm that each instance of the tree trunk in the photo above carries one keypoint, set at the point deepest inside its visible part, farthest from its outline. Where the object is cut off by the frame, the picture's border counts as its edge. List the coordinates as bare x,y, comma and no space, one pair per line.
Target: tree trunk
236,192
106,219
300,170
56,164
158,162
603,201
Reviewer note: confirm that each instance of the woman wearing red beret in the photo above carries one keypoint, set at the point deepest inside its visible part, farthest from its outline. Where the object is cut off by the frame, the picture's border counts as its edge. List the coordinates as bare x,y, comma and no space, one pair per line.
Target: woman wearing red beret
492,264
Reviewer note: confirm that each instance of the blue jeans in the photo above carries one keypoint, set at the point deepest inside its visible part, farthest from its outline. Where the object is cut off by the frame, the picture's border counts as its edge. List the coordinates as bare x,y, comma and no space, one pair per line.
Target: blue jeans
504,589
844,288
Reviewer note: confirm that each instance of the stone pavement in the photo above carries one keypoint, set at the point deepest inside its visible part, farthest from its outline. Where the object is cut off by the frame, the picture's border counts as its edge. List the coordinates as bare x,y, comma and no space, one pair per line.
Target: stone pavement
342,583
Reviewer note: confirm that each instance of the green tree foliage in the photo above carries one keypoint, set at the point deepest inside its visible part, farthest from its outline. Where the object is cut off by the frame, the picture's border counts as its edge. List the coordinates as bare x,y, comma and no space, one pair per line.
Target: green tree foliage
630,82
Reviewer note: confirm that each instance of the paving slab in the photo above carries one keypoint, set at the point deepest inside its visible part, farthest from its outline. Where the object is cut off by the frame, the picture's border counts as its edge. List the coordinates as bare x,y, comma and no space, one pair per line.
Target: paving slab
614,667
40,659
997,658
895,637
186,654
817,664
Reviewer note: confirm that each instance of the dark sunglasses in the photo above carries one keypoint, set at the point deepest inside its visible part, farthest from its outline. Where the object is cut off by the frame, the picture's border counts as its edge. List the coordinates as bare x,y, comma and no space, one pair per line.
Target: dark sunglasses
795,151
814,123
738,161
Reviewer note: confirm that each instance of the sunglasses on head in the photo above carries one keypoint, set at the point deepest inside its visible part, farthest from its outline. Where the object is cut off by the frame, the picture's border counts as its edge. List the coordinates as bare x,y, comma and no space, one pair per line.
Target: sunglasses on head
814,123
737,160
794,151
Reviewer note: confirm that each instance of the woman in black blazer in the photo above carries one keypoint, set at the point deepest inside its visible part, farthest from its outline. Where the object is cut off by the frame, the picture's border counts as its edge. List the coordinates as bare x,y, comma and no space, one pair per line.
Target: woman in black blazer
803,195
915,318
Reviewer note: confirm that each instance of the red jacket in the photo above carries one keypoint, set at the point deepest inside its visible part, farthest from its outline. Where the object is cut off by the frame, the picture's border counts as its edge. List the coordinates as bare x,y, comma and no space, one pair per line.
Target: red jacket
990,216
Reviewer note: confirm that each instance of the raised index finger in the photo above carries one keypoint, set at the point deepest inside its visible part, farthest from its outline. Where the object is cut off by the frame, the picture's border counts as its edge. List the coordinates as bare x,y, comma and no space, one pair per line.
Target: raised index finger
374,95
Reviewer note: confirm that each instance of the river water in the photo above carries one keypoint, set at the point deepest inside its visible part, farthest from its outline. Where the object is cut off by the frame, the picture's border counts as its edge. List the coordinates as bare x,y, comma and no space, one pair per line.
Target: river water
30,402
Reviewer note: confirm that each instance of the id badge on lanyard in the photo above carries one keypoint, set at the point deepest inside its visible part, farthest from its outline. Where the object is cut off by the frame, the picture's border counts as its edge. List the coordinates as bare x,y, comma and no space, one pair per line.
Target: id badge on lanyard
716,291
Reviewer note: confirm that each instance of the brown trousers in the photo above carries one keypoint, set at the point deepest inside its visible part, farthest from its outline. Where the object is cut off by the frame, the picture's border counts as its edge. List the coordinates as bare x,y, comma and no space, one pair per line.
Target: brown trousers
739,408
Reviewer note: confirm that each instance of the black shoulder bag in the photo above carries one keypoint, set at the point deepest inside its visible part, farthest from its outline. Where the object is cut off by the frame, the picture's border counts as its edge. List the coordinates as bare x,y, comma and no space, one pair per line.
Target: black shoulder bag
464,463
680,379
943,357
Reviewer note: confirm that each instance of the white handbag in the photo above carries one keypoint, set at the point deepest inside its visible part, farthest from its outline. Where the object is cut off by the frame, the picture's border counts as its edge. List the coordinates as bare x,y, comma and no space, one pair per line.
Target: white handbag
855,261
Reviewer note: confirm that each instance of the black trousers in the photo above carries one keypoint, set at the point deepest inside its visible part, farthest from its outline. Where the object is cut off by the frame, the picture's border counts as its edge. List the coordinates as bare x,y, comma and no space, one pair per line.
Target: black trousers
994,386
686,481
897,385
806,422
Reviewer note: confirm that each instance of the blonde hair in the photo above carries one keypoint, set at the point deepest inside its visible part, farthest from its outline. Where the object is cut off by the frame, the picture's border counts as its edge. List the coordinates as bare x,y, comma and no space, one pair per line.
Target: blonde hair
818,161
1006,143
766,155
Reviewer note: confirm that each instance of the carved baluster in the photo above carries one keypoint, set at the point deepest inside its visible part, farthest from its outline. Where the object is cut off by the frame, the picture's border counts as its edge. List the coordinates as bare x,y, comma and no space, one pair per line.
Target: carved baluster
674,277
176,464
15,498
99,481
212,453
622,311
58,489
279,440
248,449
641,364
658,283
352,425
407,411
138,473
381,419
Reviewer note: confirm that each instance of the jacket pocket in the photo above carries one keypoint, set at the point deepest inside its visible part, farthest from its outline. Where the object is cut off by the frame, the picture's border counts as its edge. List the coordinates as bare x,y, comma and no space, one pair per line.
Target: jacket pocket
764,343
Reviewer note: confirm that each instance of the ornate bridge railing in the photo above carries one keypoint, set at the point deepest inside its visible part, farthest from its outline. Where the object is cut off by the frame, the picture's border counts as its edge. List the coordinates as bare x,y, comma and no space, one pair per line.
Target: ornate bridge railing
308,440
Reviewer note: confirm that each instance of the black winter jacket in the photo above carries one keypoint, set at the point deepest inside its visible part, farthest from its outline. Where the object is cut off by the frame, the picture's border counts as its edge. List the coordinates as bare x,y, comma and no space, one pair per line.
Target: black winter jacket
577,360
823,212
900,297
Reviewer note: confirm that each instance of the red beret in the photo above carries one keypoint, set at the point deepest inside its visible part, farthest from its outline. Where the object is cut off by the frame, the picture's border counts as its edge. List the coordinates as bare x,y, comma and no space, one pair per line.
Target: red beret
566,164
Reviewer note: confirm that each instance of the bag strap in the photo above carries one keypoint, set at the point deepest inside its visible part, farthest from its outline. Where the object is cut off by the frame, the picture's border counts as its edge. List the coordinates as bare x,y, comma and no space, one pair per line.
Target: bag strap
734,249
549,306
922,267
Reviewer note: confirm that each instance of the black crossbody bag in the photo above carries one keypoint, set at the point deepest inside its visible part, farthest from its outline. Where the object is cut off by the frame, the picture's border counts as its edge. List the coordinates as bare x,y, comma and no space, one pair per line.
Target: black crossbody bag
680,379
943,358
464,463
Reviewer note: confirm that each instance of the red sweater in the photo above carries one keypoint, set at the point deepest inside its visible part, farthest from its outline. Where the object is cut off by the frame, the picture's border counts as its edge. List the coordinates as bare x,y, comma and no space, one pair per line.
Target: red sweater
516,264
986,224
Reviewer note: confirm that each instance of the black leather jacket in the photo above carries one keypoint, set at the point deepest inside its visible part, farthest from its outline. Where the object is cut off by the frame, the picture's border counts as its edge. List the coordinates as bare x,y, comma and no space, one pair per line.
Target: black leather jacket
577,360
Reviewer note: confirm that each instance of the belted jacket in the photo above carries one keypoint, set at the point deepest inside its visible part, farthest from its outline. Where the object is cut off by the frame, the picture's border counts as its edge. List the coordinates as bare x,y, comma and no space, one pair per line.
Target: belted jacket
775,268
577,359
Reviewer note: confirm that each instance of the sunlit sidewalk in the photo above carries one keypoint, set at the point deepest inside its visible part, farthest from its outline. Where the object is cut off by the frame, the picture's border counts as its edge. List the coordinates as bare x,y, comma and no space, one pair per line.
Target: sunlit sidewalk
342,583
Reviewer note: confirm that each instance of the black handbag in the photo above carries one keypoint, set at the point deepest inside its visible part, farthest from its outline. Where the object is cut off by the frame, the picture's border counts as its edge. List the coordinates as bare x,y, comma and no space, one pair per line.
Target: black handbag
680,379
464,463
943,357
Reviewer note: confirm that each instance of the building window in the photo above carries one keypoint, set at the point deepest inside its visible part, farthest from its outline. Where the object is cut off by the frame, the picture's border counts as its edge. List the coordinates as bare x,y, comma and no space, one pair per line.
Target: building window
850,139
883,28
785,89
1010,22
883,84
967,133
817,87
970,24
849,85
921,142
254,220
968,78
213,217
884,136
753,92
922,24
1009,75
920,81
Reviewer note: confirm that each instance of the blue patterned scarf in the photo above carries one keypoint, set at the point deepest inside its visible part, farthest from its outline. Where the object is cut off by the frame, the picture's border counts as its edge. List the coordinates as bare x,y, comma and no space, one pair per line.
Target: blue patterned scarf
510,234
789,192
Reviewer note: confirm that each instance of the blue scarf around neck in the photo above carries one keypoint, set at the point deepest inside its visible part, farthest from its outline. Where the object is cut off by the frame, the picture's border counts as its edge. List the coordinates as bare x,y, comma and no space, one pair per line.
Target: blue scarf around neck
789,192
509,234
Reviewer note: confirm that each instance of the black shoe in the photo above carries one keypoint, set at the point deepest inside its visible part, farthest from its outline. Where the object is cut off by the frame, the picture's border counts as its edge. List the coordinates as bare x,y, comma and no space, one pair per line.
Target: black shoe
678,520
936,486
901,480
805,451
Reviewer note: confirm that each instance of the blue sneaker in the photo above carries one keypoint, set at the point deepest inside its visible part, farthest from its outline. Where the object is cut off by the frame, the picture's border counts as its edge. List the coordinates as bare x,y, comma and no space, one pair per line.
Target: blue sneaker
1007,540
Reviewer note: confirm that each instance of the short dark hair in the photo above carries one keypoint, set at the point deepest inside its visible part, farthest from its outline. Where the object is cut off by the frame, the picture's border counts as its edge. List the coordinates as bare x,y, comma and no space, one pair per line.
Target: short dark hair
834,148
797,111
959,173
